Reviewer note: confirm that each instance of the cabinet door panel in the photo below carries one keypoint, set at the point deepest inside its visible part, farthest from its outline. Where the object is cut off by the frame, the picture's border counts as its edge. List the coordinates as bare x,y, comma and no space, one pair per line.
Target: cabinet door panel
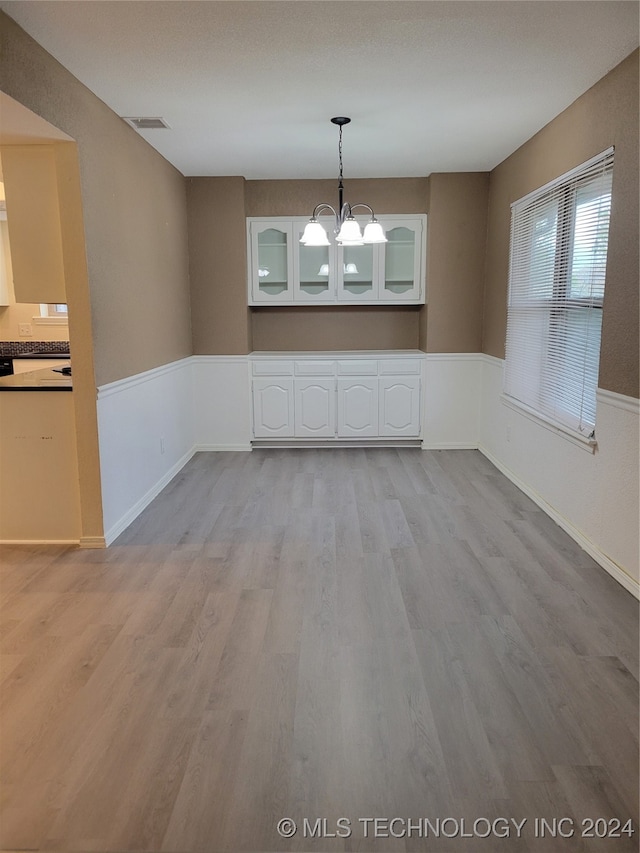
314,408
272,408
314,268
358,407
357,271
33,217
402,264
400,405
271,254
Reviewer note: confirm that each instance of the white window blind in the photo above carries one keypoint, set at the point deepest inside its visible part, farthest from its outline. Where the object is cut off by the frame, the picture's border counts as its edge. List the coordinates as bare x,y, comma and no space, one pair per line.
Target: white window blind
559,239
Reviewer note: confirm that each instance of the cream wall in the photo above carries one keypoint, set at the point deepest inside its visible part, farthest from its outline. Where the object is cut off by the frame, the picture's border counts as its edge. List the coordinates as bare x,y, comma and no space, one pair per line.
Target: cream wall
605,115
12,315
134,215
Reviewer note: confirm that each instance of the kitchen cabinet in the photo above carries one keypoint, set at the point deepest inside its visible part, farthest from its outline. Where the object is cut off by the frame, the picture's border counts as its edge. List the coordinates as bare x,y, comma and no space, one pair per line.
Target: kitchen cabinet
399,405
273,408
314,408
40,496
284,272
329,397
5,261
314,280
358,407
271,271
401,259
33,217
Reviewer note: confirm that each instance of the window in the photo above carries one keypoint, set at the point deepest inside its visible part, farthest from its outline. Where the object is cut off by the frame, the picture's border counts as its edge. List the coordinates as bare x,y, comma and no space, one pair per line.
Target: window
559,238
52,314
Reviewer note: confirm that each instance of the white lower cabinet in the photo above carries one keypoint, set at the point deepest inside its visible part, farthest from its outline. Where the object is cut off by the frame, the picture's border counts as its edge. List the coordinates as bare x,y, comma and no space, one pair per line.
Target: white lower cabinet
399,405
337,396
314,408
273,408
358,407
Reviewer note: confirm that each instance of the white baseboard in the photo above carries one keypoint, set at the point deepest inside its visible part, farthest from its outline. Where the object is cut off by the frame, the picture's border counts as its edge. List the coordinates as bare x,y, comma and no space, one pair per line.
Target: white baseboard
121,525
625,580
221,448
449,445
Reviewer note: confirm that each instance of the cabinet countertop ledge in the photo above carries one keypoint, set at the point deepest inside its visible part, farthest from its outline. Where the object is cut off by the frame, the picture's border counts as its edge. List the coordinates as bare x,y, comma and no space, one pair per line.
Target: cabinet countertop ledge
45,379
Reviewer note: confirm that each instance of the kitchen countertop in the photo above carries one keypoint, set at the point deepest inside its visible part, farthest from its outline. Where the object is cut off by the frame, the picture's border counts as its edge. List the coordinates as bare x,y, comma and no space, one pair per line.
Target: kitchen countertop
40,355
44,379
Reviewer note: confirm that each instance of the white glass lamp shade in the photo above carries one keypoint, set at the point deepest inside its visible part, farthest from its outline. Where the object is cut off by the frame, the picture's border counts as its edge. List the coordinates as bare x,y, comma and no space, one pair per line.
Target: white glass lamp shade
314,235
373,233
350,234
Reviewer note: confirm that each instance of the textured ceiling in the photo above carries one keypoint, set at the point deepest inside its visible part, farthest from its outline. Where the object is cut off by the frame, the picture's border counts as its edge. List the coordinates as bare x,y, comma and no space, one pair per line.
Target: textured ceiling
248,87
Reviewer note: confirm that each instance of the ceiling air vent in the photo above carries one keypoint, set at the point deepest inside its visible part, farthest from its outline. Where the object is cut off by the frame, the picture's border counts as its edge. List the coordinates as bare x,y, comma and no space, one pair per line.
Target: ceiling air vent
146,122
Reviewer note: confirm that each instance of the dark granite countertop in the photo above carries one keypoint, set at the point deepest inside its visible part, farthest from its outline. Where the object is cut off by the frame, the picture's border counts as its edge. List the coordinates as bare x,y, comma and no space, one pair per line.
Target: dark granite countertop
44,379
40,355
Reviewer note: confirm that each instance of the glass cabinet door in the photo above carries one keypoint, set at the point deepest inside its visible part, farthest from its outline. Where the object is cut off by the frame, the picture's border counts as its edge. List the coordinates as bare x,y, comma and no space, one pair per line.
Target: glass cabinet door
402,267
356,273
314,277
271,254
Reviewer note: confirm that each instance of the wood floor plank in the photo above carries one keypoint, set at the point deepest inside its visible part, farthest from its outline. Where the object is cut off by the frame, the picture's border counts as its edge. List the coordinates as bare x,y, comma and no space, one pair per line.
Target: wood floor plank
317,634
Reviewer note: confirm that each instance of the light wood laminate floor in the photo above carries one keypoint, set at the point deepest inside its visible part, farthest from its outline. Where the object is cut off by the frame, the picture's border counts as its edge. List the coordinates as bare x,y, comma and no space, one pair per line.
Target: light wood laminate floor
320,634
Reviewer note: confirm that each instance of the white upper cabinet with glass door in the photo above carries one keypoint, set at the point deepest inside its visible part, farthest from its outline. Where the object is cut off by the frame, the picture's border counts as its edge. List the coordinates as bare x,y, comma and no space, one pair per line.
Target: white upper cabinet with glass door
314,279
401,278
271,269
283,271
357,273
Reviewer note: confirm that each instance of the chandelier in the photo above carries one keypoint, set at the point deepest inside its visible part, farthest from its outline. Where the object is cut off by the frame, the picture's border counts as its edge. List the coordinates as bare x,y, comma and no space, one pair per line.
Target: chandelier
347,230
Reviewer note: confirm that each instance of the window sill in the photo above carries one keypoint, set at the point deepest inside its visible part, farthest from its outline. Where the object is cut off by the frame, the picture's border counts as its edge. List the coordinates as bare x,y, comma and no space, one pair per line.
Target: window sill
50,321
565,432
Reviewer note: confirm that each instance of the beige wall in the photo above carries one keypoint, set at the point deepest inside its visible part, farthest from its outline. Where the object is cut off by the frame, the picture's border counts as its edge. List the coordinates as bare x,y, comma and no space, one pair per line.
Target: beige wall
348,328
218,266
135,219
605,115
298,198
451,321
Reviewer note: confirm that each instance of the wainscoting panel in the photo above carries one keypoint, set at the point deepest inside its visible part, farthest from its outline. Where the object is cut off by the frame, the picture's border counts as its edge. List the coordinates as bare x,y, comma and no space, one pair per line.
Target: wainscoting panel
221,402
592,495
146,435
451,401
